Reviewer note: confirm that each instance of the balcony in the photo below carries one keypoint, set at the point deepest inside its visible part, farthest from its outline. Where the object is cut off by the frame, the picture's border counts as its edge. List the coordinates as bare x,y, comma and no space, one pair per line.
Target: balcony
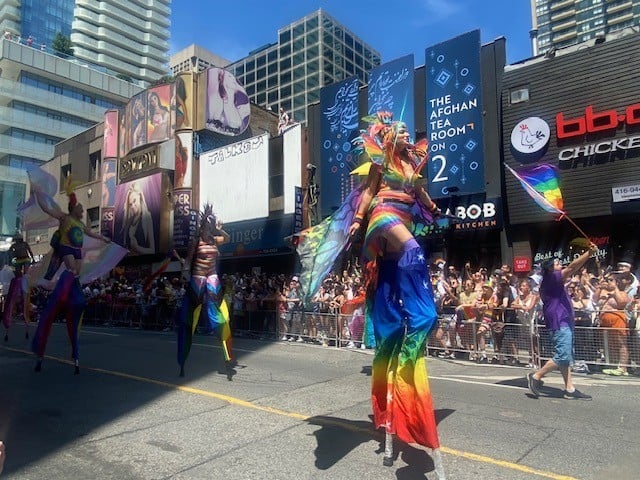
24,148
620,7
38,123
52,101
563,26
561,4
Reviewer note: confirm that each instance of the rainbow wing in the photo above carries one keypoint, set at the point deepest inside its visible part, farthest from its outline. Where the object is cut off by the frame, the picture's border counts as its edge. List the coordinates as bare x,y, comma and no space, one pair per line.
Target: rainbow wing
319,246
541,183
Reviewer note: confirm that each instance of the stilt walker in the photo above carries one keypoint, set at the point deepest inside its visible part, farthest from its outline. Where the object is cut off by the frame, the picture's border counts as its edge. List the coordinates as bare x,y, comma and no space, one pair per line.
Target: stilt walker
67,296
399,303
204,294
17,300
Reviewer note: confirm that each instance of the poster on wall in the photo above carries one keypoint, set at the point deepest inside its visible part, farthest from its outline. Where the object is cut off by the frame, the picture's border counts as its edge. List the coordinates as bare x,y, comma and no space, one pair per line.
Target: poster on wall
235,179
184,159
338,127
160,124
391,88
228,110
454,116
106,222
123,130
137,121
137,214
108,183
184,101
185,219
110,136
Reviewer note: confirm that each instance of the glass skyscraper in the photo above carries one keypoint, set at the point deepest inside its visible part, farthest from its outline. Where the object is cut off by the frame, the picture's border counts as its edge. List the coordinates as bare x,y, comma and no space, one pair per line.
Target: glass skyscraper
43,20
311,52
129,38
560,23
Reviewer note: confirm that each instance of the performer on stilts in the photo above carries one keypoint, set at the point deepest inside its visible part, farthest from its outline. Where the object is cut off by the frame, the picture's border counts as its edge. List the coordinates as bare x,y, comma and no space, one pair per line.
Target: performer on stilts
67,296
204,291
400,300
18,296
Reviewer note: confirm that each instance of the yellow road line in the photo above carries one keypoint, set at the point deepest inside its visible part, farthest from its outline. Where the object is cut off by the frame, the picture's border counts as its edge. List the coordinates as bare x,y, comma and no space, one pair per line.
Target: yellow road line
317,421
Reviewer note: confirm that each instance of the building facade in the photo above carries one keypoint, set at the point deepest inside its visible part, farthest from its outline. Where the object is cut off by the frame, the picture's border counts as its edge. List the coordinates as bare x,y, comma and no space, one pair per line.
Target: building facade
578,112
561,23
44,99
195,59
311,52
129,38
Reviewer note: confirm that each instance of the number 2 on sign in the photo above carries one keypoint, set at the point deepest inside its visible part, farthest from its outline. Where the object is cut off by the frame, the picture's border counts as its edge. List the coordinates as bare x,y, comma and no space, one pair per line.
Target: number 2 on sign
439,177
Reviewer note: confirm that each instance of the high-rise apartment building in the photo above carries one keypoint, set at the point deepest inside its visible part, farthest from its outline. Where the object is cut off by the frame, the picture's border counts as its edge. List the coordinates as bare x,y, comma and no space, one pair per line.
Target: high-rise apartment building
129,38
311,52
560,23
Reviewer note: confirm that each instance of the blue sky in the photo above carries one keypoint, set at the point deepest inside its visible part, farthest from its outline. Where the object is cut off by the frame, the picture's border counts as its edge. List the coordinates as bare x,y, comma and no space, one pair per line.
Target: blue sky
232,29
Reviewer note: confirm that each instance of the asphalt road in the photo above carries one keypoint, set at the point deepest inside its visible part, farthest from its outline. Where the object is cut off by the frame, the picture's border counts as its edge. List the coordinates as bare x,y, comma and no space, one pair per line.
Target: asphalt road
291,411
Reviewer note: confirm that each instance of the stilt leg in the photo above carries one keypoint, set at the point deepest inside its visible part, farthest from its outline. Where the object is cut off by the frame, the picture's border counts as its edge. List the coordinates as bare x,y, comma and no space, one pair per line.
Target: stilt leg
387,461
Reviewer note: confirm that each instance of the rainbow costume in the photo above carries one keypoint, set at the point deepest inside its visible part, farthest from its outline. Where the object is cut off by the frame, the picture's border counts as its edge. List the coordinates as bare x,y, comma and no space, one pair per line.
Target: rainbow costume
98,259
204,296
399,302
18,298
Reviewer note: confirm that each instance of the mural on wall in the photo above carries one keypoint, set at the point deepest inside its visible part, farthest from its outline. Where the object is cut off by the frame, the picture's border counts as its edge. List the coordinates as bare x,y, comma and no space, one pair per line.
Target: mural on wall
228,110
338,127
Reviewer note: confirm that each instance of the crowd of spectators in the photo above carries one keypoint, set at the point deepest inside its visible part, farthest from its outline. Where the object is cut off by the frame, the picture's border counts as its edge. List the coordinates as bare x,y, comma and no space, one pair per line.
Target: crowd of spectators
485,316
504,310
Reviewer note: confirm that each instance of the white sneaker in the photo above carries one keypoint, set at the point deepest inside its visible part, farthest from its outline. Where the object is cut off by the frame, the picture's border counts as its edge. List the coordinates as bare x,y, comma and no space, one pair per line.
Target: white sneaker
284,338
351,345
363,347
299,340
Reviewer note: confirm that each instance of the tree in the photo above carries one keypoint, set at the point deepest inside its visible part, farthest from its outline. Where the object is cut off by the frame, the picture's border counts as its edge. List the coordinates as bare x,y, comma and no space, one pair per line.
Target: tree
62,45
124,77
163,79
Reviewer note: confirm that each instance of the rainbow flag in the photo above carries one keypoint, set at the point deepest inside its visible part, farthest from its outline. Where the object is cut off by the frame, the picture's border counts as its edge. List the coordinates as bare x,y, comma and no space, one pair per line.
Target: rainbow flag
161,269
541,183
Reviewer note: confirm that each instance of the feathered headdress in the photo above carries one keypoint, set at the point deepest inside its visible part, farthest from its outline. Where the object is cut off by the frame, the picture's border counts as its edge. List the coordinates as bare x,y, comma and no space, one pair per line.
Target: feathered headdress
69,187
378,139
207,218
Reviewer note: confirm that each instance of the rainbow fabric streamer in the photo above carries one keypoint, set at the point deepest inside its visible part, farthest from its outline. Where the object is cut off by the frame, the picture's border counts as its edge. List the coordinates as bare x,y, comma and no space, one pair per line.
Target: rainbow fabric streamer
33,217
541,183
161,269
98,257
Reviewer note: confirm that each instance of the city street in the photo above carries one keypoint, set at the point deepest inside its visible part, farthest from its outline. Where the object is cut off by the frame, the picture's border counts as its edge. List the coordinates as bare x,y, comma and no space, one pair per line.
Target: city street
291,411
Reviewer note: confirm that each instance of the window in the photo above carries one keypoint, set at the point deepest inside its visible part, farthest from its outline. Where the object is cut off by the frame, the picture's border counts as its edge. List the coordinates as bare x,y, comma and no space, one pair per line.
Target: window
519,95
93,218
94,165
65,171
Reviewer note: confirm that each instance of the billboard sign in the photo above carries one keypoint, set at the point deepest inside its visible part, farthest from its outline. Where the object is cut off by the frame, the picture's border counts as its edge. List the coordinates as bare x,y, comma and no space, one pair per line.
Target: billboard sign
454,117
391,89
137,214
338,127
